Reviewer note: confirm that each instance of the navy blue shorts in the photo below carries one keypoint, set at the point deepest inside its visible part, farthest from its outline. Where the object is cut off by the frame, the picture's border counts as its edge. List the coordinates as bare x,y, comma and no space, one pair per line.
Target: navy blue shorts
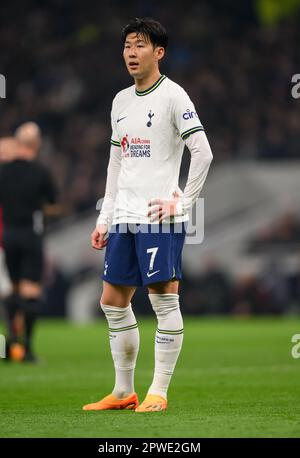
137,256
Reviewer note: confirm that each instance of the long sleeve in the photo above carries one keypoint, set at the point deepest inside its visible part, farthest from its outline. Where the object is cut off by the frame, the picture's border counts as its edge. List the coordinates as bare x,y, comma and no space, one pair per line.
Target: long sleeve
113,170
201,157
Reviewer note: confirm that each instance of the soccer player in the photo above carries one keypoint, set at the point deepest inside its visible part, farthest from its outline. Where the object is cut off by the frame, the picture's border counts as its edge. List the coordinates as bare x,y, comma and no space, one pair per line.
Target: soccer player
151,122
25,187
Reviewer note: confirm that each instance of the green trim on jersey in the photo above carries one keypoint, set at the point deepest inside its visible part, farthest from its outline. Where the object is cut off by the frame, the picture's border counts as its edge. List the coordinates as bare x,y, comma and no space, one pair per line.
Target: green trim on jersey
126,328
188,132
114,142
151,88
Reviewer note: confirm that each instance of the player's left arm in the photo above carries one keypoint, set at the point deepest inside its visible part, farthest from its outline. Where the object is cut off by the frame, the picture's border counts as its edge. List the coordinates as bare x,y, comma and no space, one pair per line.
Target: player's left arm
192,132
201,157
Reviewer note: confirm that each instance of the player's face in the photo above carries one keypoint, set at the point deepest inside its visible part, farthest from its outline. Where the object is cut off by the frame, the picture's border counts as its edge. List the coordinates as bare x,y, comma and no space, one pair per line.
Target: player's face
140,56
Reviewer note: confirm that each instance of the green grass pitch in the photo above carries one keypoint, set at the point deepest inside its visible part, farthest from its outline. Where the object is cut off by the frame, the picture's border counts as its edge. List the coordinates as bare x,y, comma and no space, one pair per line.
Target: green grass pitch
234,378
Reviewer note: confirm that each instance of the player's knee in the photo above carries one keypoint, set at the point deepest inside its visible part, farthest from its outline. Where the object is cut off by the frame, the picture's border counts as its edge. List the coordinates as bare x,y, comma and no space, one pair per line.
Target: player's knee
169,287
120,302
102,305
111,305
116,314
163,304
105,301
30,289
106,298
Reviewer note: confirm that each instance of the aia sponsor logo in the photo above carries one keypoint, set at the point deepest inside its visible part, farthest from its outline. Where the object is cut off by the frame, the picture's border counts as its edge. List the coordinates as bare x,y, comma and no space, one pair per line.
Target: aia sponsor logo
140,141
125,146
137,147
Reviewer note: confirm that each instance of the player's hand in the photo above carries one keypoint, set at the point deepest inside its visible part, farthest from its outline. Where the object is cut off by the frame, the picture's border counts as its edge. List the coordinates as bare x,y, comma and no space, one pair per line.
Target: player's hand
161,209
98,237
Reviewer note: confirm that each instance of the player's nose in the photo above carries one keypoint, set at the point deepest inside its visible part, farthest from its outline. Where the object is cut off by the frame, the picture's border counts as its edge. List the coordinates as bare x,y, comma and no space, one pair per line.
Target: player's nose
132,53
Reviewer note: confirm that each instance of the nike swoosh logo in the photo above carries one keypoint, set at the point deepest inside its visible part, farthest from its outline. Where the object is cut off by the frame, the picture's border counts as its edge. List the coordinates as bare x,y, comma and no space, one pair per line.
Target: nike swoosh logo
120,119
152,273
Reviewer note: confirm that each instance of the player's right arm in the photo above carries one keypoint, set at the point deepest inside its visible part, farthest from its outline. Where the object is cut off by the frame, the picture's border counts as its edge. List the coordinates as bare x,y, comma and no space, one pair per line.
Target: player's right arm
104,220
98,236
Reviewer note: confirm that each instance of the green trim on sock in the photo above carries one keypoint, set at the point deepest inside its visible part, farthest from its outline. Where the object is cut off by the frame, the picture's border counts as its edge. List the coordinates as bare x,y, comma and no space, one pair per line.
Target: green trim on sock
179,331
126,328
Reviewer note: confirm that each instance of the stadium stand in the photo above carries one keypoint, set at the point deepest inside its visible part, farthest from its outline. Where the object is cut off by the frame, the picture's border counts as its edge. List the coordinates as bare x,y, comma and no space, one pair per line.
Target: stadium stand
62,68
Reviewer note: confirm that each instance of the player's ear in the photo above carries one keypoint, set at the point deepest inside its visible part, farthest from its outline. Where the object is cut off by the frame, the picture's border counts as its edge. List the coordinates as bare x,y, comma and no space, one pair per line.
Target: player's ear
159,52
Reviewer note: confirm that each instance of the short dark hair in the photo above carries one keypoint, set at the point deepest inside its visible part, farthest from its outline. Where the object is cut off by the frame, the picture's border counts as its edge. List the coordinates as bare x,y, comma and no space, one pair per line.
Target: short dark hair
149,29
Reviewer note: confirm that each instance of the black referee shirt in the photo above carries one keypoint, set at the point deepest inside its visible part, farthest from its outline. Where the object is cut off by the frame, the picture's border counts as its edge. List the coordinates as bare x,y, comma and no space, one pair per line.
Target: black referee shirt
25,186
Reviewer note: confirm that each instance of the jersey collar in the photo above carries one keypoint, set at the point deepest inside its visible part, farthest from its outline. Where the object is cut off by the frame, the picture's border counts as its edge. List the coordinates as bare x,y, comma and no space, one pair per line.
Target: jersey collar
151,88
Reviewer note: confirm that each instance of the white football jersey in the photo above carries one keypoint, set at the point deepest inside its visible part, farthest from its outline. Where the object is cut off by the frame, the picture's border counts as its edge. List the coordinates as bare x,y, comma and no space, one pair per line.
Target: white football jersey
150,128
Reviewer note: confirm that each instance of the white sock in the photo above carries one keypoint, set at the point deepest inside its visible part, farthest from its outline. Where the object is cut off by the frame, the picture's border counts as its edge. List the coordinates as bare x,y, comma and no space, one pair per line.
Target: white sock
168,340
124,344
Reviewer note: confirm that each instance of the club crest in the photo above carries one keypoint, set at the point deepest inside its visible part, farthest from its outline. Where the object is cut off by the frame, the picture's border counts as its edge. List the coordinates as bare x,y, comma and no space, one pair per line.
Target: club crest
150,115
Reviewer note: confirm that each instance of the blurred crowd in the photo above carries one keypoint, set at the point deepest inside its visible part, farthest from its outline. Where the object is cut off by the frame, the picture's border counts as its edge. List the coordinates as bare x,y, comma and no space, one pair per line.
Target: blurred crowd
282,234
273,290
63,64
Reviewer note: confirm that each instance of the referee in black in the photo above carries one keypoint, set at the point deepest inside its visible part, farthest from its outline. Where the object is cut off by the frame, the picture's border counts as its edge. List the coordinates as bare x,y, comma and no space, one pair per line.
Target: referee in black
27,192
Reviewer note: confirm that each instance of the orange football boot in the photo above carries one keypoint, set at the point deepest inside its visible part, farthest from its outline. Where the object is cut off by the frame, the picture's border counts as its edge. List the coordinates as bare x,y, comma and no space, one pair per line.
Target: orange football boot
110,402
16,352
153,403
